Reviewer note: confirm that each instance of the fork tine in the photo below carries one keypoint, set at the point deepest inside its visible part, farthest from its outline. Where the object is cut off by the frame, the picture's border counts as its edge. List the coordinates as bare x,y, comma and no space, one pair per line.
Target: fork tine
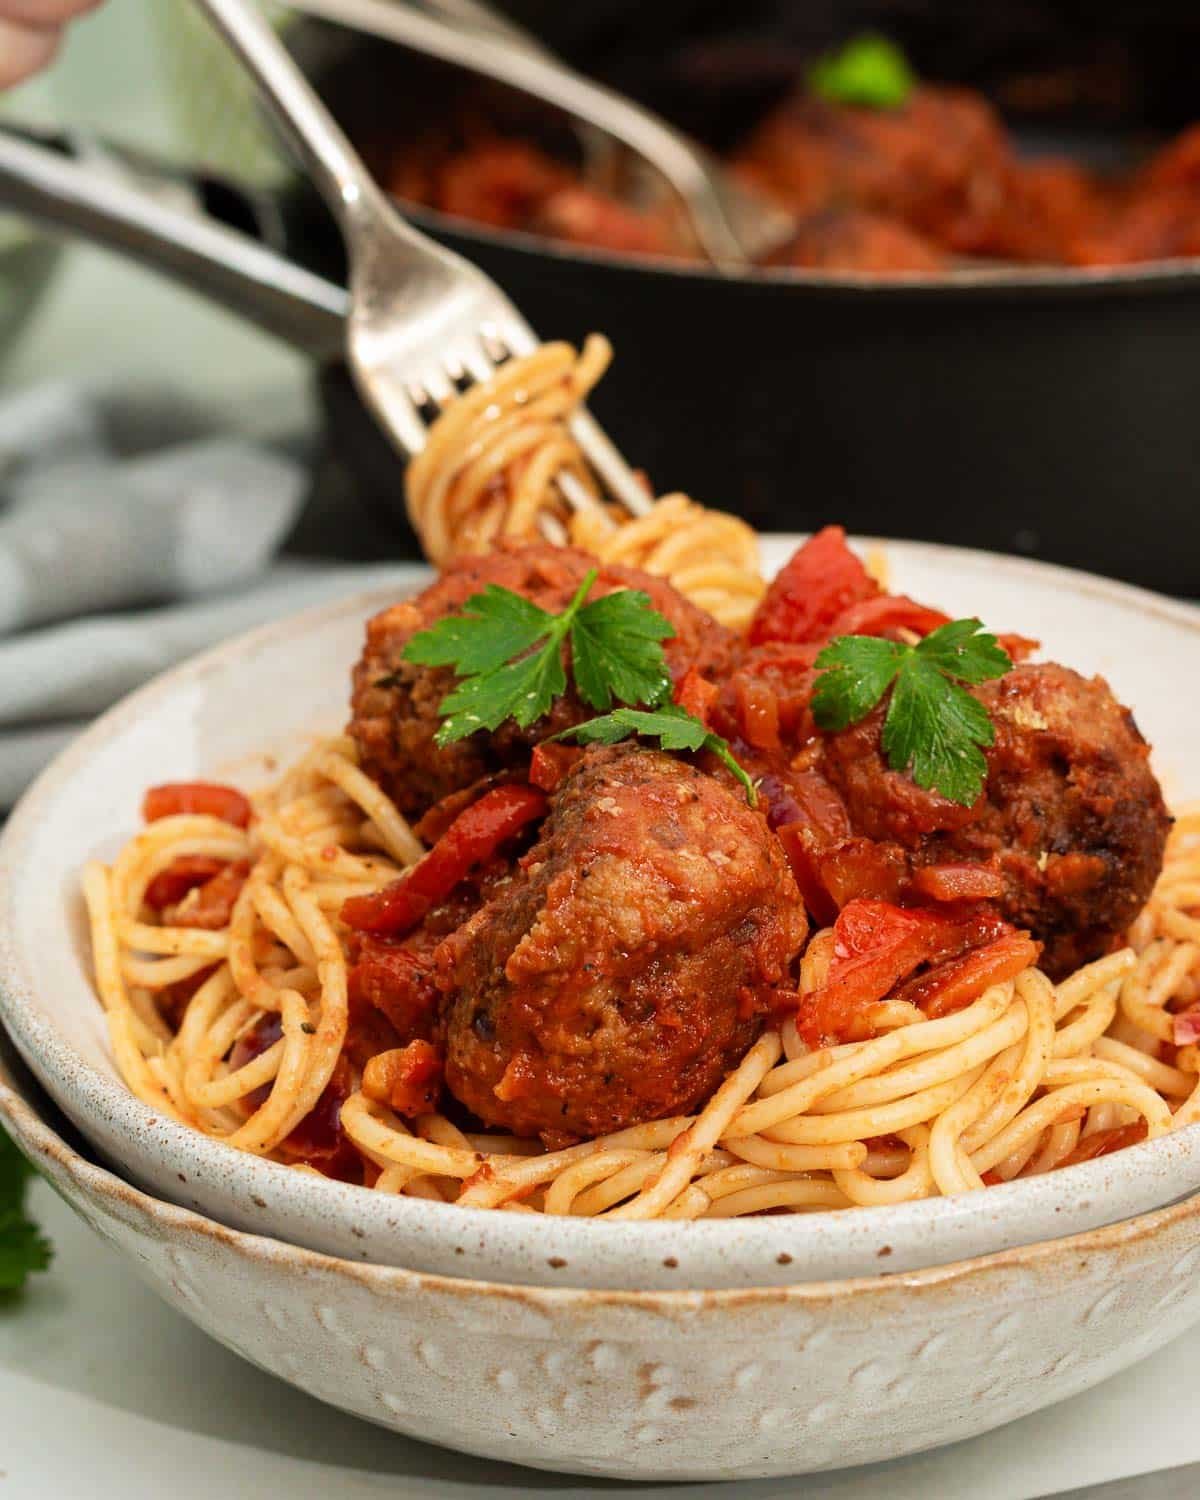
604,457
511,336
575,493
553,530
454,368
397,410
477,362
438,384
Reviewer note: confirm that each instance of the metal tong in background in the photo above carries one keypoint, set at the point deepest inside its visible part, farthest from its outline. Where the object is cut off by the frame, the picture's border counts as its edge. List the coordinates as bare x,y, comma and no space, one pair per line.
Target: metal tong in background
171,222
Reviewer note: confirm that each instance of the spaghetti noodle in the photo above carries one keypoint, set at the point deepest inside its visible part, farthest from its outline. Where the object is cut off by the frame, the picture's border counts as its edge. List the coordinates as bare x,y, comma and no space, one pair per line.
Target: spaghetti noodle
489,470
1025,1077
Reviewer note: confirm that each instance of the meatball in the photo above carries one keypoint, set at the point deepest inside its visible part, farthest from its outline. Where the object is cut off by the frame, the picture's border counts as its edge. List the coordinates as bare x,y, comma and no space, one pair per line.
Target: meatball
498,182
852,239
1053,207
1071,815
940,163
394,703
628,966
513,184
583,215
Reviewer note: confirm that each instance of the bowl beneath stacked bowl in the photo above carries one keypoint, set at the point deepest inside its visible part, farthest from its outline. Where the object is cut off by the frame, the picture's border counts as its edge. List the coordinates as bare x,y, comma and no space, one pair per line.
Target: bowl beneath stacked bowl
653,1385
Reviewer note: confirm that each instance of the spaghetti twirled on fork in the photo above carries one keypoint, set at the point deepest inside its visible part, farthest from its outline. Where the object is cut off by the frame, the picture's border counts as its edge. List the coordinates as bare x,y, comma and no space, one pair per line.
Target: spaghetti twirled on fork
488,472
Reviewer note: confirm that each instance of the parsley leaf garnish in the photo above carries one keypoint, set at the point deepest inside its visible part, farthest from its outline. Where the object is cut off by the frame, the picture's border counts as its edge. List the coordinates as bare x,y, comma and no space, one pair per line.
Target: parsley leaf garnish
672,726
933,727
23,1248
494,627
507,653
869,71
616,650
859,669
964,650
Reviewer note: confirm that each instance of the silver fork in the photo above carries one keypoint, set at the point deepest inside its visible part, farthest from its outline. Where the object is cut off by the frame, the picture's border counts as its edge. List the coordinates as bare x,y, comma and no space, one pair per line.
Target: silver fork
734,226
423,321
600,150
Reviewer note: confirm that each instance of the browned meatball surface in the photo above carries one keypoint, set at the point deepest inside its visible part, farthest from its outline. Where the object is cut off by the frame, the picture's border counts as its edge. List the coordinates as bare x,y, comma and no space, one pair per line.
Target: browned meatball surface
394,703
853,239
940,163
1071,815
630,962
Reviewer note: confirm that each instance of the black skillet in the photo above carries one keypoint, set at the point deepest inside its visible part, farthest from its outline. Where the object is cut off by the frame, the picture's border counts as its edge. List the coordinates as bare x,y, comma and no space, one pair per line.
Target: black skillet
1052,413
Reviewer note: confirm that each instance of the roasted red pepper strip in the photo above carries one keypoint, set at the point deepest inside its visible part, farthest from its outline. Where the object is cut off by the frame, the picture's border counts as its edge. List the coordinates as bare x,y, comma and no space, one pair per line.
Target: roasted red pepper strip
803,851
958,883
960,981
809,593
696,694
395,980
211,905
887,613
758,712
831,876
825,591
878,944
550,763
407,1079
181,876
204,797
471,839
1019,647
1102,1142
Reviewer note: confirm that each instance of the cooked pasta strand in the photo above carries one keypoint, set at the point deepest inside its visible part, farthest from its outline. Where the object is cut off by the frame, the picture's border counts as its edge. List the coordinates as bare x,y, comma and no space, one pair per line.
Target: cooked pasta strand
1006,1086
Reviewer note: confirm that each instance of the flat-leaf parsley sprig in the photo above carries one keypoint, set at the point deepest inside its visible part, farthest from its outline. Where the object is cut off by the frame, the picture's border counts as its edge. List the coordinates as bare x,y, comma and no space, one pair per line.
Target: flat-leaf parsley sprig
507,653
672,726
869,71
933,727
23,1248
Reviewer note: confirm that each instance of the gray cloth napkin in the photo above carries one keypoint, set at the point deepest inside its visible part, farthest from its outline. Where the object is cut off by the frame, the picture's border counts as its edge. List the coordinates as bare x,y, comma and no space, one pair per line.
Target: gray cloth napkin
131,536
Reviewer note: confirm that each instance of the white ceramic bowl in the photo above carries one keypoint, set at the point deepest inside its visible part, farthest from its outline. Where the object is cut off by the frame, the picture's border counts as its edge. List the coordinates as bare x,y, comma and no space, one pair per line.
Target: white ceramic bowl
659,1385
269,692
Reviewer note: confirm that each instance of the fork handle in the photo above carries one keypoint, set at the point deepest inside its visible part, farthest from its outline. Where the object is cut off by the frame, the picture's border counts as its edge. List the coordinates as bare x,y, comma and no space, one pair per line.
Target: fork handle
336,168
477,15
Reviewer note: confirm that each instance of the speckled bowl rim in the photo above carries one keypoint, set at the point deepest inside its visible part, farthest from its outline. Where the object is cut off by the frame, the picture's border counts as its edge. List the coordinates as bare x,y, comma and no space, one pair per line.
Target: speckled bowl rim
562,1243
58,1162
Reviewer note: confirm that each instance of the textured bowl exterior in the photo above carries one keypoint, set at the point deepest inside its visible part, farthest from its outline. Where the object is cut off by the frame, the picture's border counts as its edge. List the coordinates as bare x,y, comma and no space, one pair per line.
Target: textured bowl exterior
667,1385
271,691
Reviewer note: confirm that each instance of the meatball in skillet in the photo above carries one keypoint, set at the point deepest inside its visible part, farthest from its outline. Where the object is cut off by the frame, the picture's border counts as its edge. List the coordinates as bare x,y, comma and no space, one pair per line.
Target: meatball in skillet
630,962
394,703
1071,816
853,239
939,163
